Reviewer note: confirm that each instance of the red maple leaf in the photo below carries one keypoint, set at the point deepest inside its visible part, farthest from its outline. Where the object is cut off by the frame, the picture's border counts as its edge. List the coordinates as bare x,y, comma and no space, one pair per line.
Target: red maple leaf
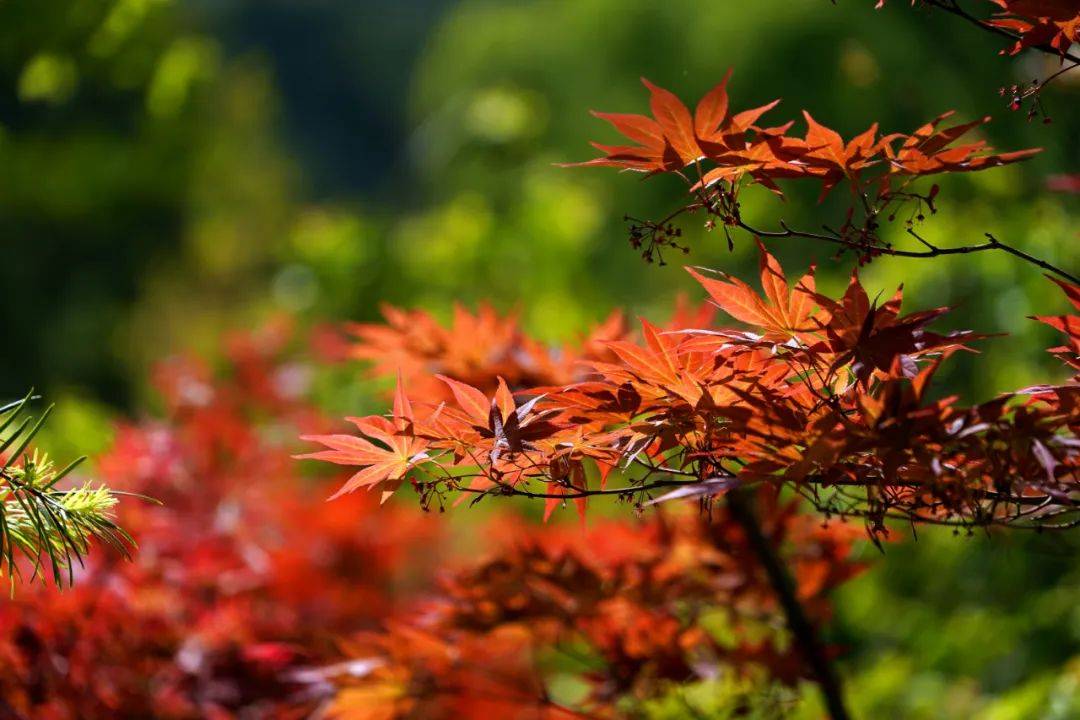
783,313
385,464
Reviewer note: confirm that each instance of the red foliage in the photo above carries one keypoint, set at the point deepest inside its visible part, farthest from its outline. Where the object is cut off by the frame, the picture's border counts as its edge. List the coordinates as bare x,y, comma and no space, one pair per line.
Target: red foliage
1063,183
243,573
1051,23
717,153
1055,23
826,397
713,147
634,601
245,583
250,596
413,344
409,672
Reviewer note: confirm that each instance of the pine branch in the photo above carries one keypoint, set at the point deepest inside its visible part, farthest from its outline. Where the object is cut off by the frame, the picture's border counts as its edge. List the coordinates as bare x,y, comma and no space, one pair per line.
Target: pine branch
42,528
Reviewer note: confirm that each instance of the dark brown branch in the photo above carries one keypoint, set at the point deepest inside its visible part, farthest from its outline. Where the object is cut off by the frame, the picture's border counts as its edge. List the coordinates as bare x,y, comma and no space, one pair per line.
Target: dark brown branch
995,243
575,493
931,250
740,504
954,8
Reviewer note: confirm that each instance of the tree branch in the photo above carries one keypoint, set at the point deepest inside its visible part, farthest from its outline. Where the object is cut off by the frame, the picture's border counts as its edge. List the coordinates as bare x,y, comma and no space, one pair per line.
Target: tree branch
953,8
740,504
932,250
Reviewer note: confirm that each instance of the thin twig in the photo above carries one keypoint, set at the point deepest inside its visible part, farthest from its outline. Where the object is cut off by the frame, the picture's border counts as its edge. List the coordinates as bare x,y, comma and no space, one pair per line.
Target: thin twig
954,8
932,250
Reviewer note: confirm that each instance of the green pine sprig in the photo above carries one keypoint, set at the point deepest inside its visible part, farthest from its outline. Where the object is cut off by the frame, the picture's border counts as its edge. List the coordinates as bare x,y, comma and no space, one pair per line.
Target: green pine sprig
51,530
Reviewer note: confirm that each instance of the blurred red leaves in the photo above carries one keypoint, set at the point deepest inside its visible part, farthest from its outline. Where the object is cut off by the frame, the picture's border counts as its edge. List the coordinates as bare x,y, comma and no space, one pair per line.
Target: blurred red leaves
242,573
250,597
634,601
821,403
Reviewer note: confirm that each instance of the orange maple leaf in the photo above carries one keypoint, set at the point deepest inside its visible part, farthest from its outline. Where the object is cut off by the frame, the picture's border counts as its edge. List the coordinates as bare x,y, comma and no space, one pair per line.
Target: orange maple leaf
927,151
385,464
784,313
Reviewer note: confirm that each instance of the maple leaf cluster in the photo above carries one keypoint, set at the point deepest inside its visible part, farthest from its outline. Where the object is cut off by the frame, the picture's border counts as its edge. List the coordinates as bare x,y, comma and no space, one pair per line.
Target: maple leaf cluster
715,145
1050,26
1051,23
828,397
243,574
480,348
716,151
638,603
635,597
806,400
1055,23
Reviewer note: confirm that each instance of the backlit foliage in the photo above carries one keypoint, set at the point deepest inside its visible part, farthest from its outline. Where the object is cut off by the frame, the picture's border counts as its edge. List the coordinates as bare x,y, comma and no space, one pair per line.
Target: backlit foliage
1051,23
250,596
717,153
415,345
830,398
752,446
1039,22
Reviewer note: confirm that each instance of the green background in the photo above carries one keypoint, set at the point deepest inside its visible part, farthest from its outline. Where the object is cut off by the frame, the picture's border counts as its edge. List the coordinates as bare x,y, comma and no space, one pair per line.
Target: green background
170,170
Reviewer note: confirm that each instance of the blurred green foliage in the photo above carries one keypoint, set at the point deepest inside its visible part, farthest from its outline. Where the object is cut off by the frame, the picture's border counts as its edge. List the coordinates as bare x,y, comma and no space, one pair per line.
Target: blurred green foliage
172,169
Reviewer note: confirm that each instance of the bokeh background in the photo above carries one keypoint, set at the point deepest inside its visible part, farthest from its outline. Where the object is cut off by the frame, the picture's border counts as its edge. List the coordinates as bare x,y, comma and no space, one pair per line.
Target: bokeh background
170,170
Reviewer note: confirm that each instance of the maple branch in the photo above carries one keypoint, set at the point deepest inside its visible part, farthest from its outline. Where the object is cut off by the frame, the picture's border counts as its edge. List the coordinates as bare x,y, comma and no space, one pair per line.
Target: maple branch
932,250
995,243
985,520
739,502
954,8
867,246
575,494
1058,73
